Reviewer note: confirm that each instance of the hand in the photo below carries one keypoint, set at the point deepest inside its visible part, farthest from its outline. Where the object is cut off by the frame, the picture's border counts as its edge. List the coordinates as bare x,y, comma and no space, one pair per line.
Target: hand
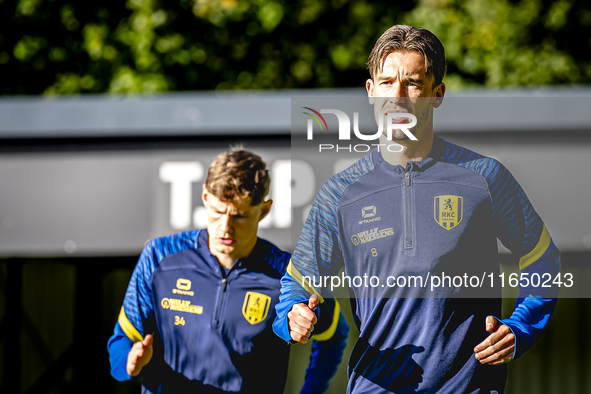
139,355
301,320
498,347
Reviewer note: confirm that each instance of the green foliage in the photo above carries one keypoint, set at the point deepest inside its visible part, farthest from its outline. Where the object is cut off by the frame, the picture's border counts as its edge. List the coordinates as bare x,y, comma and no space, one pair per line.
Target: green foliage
503,42
64,47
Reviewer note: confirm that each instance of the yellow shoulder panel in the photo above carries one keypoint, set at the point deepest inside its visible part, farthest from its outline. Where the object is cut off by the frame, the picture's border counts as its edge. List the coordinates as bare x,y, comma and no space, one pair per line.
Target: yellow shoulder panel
128,328
294,273
537,252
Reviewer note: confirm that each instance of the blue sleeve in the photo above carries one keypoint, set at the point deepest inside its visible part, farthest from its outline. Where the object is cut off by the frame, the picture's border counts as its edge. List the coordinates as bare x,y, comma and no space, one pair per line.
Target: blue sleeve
291,293
317,253
135,315
119,346
522,231
535,305
327,349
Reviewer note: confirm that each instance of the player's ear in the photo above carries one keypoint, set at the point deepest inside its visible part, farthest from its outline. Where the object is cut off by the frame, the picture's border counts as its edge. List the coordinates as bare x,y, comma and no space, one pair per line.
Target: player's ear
369,86
439,92
204,194
266,207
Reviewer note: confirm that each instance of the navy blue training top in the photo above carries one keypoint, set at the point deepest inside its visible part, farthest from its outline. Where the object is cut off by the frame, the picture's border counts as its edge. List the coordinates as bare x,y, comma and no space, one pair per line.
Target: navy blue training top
212,329
437,217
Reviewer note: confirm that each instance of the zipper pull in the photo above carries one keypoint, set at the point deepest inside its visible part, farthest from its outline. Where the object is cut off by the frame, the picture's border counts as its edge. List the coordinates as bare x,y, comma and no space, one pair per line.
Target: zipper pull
224,282
407,176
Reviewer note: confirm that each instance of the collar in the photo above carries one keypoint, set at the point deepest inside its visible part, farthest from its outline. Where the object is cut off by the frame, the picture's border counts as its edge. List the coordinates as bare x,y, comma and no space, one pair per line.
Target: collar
438,148
436,153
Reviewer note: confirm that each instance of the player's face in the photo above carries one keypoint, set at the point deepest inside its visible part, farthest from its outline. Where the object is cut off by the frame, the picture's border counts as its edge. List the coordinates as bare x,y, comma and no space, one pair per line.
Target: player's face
404,86
232,225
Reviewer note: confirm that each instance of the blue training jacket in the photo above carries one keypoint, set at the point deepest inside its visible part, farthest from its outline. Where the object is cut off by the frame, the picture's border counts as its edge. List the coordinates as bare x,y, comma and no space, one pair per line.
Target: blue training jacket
213,329
438,217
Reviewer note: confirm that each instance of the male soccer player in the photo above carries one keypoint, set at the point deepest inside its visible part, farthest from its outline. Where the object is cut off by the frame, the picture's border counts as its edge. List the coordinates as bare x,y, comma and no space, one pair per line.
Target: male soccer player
441,208
198,312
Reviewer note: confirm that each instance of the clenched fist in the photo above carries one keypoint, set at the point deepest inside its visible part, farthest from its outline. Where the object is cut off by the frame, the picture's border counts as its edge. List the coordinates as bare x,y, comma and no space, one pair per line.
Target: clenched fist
302,319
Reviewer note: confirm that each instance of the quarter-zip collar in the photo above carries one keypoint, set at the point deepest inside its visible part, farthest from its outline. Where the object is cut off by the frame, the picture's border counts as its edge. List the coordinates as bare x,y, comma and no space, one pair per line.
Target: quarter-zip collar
435,154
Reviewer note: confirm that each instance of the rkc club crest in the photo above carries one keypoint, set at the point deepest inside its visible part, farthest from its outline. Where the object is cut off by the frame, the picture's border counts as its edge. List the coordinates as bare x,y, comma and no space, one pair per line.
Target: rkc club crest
448,211
255,307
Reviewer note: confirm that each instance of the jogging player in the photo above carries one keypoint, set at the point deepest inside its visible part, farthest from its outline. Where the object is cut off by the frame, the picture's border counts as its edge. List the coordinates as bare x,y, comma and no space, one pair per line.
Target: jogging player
198,312
441,208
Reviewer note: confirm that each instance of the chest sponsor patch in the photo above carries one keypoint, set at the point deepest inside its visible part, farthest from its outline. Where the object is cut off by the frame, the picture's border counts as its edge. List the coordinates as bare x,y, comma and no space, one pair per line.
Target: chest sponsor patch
174,304
255,307
448,210
371,235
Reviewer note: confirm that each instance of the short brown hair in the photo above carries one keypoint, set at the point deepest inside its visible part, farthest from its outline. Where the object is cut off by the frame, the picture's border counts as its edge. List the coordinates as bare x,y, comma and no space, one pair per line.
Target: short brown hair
409,38
238,174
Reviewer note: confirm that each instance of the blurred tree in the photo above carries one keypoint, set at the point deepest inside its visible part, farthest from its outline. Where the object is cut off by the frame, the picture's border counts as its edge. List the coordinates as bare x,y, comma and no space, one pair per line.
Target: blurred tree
65,47
509,42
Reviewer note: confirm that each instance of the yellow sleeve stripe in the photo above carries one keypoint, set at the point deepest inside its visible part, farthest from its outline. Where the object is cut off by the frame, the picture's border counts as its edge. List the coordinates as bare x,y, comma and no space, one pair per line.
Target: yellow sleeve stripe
537,252
326,335
128,328
306,284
